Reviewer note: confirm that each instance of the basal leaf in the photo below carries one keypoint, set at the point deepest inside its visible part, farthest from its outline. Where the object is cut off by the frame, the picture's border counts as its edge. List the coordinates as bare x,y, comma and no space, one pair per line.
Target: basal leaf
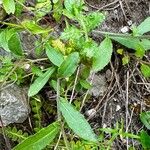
144,27
38,84
69,65
145,118
34,28
145,69
54,56
41,139
15,46
9,6
103,55
76,121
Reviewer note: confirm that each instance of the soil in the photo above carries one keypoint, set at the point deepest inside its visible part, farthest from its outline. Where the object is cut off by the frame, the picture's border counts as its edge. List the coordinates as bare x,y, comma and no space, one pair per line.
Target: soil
128,92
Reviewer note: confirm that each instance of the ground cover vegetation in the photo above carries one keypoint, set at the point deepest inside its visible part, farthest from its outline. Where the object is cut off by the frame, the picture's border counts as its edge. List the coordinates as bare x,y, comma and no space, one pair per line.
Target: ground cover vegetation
62,64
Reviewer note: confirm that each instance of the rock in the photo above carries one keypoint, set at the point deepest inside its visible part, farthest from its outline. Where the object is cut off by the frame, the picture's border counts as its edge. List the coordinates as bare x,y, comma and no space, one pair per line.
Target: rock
13,105
99,85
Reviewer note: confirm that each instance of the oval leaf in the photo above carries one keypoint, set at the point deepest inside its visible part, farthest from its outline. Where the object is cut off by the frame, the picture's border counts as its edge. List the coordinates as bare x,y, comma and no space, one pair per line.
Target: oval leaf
54,56
144,27
145,118
69,65
145,69
103,56
76,121
41,139
9,6
40,82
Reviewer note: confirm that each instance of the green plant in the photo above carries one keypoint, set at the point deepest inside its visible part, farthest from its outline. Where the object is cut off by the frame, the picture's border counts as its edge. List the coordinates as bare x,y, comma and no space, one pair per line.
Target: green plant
73,49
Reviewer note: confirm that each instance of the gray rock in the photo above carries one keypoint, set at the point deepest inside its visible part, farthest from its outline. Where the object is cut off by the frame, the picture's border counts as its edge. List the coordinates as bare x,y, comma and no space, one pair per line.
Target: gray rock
99,85
13,105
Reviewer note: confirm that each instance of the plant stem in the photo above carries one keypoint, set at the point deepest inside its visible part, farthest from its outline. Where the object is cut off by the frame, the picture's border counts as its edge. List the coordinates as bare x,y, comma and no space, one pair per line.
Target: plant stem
97,32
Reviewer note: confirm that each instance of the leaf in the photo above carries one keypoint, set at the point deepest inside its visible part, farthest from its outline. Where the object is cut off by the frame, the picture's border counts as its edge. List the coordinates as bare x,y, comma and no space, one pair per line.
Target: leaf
144,27
15,46
128,42
69,65
42,8
103,55
146,44
34,28
40,82
54,56
94,19
72,33
76,121
41,139
85,84
125,60
72,5
145,118
145,140
5,37
9,6
145,69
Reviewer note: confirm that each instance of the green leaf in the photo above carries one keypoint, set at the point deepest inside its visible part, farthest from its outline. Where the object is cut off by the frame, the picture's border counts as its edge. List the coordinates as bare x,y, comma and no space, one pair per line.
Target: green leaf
37,71
40,82
15,46
69,65
125,60
94,19
145,118
74,6
34,28
128,42
42,8
85,84
145,140
54,56
145,69
76,121
146,44
19,7
72,33
9,6
144,27
5,36
103,55
41,139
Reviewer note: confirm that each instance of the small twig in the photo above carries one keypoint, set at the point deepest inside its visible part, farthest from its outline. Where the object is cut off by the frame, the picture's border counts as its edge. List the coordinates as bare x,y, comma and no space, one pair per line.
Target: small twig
75,83
127,111
86,94
55,148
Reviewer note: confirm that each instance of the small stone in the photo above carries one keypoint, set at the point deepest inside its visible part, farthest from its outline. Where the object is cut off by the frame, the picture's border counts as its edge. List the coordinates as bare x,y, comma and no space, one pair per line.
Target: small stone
13,105
91,112
104,125
130,22
99,85
125,29
27,66
118,107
